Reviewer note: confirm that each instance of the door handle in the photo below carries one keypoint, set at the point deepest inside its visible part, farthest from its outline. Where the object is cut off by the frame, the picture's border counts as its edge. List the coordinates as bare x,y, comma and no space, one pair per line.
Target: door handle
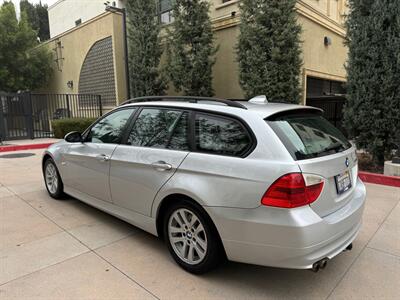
103,157
161,166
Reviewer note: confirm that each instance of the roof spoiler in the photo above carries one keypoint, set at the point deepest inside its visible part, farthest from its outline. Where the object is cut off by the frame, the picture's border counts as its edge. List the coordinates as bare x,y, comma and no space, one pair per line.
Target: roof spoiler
295,111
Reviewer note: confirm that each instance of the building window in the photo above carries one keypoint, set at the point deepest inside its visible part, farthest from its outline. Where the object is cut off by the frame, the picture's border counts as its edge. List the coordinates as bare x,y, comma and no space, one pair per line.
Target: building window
165,11
317,87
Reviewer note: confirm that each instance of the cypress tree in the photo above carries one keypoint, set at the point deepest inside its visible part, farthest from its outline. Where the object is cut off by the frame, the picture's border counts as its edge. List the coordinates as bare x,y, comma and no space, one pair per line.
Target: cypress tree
190,48
43,15
31,13
38,18
372,111
269,50
145,49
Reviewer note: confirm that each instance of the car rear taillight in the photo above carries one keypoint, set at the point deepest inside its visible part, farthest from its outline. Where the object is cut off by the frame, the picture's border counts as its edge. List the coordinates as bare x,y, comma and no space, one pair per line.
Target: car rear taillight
293,190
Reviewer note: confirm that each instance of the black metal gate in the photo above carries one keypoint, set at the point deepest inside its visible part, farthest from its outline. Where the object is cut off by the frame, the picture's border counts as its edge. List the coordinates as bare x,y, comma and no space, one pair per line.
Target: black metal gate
29,115
15,116
333,109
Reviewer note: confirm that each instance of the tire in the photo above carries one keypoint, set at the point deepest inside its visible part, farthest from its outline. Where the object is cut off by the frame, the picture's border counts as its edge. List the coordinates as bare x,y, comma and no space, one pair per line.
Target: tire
52,179
197,247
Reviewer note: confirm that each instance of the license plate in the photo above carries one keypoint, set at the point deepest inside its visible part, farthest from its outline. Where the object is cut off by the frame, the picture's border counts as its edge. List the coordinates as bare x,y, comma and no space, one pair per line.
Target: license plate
343,182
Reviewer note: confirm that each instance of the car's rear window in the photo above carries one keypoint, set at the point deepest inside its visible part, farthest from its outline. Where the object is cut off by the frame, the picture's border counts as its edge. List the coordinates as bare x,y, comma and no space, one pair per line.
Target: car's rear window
307,134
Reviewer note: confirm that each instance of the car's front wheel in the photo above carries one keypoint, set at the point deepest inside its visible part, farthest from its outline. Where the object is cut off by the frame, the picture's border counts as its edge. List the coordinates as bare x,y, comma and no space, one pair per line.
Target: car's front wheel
191,238
52,179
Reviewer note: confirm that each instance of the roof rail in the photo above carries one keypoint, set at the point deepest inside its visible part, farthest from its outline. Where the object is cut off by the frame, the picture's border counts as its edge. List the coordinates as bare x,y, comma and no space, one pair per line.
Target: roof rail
190,99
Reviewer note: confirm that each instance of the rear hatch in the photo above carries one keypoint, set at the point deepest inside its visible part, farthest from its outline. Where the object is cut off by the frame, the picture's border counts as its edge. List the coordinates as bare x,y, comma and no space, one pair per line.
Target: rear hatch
319,149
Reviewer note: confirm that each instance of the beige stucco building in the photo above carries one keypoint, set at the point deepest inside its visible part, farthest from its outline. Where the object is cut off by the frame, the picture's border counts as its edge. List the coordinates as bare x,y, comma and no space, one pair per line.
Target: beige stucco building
66,14
89,58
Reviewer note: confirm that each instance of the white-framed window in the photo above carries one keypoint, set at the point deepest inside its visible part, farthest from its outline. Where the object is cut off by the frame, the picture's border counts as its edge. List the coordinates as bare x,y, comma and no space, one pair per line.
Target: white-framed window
165,11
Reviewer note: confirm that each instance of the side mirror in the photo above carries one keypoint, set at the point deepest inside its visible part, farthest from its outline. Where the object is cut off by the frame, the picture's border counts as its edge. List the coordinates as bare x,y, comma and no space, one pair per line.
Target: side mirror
73,137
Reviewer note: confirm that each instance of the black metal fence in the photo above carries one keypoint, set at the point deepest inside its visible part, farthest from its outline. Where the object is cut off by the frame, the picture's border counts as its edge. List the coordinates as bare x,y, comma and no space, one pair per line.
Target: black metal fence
29,115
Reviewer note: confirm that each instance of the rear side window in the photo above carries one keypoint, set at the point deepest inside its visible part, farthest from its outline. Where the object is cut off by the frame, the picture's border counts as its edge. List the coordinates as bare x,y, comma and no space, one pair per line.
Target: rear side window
308,135
160,128
179,137
219,135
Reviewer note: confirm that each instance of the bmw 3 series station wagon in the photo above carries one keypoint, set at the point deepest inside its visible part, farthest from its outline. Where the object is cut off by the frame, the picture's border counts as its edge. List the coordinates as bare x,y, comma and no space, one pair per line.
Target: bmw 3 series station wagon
254,182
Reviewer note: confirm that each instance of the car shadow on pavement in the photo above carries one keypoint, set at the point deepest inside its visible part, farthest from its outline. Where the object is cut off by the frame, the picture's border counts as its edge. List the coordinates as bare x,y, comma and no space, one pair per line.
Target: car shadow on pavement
139,254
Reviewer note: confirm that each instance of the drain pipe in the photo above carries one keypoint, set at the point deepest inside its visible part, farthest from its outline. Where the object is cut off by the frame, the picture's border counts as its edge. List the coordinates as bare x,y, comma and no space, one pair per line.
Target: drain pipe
123,12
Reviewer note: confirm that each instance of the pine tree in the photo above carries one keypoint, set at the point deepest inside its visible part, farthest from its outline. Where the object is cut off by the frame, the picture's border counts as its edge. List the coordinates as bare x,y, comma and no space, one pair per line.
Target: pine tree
190,48
23,65
372,111
269,50
145,49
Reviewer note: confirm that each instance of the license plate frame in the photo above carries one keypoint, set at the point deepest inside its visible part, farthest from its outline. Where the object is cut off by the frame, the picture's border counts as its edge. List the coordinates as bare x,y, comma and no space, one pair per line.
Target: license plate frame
343,182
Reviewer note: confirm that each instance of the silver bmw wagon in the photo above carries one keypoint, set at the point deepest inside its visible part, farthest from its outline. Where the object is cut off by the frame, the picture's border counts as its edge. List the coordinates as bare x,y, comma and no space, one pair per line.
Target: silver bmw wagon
254,182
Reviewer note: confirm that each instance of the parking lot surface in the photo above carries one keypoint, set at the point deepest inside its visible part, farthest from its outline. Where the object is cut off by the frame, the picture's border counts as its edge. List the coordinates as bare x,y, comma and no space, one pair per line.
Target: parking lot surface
68,250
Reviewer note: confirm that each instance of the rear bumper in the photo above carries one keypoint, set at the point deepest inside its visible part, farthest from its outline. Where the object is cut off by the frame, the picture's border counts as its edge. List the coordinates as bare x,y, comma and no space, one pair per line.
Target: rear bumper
288,238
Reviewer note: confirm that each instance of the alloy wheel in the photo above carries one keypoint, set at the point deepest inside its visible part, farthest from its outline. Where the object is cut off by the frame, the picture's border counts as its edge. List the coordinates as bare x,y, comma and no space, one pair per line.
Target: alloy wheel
187,236
51,178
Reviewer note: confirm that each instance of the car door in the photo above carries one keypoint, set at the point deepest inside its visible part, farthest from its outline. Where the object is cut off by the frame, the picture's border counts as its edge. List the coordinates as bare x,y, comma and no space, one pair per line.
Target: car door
156,145
86,165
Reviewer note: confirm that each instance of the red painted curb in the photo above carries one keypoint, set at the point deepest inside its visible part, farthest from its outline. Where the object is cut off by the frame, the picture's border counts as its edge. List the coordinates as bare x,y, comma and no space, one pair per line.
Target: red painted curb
24,147
380,179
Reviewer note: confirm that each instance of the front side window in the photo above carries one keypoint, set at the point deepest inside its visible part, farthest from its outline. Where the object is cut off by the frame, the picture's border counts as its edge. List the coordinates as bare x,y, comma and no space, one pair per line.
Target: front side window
160,128
308,135
218,135
109,129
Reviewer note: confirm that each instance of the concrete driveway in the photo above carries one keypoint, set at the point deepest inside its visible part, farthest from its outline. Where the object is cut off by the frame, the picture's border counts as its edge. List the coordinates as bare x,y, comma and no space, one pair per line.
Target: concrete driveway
67,250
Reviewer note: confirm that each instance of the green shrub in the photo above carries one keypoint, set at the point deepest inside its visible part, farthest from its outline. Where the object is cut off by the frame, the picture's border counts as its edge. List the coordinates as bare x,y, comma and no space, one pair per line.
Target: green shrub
64,126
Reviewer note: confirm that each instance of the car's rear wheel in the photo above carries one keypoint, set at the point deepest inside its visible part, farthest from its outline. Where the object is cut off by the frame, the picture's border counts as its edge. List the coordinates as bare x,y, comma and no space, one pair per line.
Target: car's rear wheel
52,179
191,238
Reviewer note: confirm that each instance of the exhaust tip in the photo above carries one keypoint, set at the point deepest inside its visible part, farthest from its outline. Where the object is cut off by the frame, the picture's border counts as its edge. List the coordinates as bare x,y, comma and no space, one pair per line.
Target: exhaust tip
315,268
319,265
323,263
